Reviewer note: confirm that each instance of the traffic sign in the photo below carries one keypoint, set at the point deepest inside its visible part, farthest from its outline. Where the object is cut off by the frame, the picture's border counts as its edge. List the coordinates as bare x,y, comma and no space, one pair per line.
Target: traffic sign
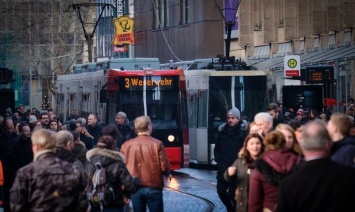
292,66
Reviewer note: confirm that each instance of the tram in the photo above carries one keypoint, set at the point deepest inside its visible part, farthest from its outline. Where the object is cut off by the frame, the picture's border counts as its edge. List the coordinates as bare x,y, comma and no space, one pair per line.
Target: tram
212,90
141,90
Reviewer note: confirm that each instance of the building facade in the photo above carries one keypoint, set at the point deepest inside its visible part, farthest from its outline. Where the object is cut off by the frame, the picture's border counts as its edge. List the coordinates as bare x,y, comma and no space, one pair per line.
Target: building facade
178,29
320,31
38,40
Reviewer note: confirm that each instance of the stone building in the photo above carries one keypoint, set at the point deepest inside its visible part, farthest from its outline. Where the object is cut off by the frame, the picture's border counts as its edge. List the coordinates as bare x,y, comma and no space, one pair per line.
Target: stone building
320,31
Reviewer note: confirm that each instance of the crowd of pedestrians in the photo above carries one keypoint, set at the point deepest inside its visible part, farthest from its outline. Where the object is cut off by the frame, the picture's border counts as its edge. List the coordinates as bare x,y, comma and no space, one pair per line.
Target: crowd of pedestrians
287,160
51,165
280,161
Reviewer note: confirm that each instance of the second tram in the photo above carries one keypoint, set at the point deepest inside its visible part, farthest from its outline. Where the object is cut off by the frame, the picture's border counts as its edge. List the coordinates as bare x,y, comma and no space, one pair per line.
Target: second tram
210,94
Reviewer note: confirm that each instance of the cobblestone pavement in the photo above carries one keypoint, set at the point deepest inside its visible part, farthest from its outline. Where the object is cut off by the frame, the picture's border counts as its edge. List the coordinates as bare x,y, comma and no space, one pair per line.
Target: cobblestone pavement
201,183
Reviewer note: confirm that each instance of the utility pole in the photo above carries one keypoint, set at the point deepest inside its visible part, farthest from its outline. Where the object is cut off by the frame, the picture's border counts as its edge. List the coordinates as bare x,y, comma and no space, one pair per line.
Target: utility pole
228,26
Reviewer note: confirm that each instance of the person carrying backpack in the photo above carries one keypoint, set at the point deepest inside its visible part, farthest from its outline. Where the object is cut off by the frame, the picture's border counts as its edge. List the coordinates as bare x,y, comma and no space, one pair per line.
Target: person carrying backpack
109,182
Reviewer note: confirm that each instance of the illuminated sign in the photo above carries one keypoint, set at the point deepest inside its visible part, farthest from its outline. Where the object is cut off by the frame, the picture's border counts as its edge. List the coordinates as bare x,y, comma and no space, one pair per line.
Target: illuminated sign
137,83
319,74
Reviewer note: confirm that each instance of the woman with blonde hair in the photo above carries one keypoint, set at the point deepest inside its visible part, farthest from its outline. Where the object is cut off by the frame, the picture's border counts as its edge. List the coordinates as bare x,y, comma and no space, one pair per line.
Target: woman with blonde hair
290,136
270,168
242,168
253,128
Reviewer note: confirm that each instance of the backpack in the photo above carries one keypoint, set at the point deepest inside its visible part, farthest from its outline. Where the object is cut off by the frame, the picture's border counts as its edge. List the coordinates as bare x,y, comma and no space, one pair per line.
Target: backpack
99,190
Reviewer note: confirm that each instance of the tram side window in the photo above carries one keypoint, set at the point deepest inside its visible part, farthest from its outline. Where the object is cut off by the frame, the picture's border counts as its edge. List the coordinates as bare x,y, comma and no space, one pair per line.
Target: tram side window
85,104
192,102
202,109
72,104
60,102
183,110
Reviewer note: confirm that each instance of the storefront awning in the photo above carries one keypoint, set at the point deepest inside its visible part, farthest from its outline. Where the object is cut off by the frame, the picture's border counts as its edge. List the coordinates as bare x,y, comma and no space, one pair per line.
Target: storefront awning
311,58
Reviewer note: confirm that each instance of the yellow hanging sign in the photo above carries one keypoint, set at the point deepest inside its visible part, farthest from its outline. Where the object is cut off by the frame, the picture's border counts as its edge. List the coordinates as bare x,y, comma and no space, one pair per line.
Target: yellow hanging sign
123,30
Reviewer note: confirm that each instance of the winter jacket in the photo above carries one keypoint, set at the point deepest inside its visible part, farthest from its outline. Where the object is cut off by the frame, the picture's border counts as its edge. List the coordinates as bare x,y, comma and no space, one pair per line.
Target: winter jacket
94,131
126,131
48,184
116,171
241,178
146,159
80,151
23,152
229,141
7,157
65,155
68,156
343,151
273,166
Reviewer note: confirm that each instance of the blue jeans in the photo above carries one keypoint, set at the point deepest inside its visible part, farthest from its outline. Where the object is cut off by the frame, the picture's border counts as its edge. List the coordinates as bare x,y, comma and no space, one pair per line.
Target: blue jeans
153,197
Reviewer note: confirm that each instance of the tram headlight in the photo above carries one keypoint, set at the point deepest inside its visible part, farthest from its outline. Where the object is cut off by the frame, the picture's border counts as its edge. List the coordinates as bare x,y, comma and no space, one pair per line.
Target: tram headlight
171,138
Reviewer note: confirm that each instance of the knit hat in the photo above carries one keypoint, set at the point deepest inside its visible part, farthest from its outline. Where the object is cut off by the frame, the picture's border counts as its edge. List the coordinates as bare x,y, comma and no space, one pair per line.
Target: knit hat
300,111
234,112
32,119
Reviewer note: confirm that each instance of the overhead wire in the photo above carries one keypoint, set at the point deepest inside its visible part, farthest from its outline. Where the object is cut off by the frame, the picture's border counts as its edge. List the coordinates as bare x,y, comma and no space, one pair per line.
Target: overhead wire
204,37
161,29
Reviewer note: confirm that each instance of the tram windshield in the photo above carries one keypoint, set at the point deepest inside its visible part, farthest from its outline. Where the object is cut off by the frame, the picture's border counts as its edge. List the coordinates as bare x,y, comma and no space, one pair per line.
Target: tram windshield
248,93
154,96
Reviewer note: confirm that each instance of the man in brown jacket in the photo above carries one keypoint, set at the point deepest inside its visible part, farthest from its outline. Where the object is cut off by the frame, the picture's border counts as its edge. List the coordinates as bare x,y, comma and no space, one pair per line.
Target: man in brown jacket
48,183
146,159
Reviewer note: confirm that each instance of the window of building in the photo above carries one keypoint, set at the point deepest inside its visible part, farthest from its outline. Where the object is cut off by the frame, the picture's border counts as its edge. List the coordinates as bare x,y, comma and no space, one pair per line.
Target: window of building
281,14
160,16
183,12
257,15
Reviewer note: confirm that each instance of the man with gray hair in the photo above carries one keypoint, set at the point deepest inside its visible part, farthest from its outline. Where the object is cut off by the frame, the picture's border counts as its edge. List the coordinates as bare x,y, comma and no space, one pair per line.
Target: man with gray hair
124,126
264,122
343,146
319,184
48,183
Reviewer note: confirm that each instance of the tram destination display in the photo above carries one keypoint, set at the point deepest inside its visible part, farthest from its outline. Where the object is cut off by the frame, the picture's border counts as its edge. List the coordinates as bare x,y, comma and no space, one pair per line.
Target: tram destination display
320,74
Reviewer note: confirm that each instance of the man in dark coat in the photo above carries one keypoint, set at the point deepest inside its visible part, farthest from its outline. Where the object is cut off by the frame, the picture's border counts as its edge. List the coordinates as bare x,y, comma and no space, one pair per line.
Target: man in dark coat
273,110
124,126
48,183
343,147
79,147
7,143
94,130
44,118
320,184
230,140
23,147
64,147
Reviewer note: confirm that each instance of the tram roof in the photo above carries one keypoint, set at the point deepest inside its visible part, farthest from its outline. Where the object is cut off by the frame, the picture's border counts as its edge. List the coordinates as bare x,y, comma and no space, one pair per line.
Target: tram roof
212,72
146,72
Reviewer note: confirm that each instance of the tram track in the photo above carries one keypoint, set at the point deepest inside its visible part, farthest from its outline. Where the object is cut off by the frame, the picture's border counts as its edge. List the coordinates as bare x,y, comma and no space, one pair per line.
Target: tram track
204,205
188,193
